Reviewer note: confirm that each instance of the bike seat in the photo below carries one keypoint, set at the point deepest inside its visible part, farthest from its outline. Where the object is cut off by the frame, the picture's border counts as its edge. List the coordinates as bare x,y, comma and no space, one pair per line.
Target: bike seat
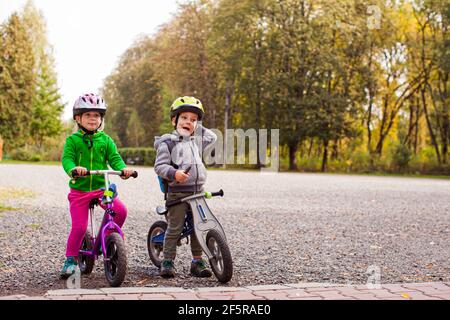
93,203
161,210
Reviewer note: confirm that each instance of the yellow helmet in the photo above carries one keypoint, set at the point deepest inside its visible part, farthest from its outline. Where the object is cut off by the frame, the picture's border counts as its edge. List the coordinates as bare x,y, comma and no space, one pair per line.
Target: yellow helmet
187,104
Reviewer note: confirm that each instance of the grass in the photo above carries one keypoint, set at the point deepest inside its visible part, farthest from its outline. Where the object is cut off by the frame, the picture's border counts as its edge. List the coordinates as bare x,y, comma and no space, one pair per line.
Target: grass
45,163
35,226
13,193
5,208
383,174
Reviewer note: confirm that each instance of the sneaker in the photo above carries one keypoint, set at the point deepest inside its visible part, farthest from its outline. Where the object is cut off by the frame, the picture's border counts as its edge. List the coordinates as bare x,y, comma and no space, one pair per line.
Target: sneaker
199,269
167,269
69,268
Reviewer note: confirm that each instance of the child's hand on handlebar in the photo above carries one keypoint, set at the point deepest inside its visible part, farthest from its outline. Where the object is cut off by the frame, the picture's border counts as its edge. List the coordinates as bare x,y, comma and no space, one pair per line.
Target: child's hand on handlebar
180,176
81,171
127,173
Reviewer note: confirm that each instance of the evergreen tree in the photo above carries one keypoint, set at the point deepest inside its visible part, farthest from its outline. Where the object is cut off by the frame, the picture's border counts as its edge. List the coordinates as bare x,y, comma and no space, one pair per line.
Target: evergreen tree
47,106
17,82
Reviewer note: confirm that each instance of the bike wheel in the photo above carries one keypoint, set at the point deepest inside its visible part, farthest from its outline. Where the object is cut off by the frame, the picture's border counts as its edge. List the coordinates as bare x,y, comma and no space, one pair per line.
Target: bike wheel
221,261
86,263
155,250
115,260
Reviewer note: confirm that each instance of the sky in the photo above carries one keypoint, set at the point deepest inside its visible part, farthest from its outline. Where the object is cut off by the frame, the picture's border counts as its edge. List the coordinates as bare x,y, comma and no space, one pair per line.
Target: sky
89,36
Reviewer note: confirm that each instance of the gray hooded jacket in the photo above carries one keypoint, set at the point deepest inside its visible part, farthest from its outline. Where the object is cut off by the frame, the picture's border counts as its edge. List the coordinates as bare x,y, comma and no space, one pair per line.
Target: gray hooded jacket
175,152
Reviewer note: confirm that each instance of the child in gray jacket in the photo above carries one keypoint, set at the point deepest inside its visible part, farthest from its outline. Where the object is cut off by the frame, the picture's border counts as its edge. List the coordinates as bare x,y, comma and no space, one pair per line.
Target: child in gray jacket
178,153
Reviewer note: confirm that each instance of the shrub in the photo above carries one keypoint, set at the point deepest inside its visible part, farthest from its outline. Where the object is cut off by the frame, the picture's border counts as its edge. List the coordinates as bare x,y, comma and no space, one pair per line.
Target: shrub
26,153
359,161
401,157
138,156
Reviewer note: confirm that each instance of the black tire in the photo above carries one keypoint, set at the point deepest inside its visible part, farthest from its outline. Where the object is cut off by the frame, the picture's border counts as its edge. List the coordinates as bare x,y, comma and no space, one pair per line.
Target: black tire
86,263
221,262
115,260
155,251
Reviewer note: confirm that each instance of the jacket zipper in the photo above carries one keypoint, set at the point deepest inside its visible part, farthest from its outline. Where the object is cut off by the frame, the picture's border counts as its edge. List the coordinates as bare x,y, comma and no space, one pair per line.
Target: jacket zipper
196,166
90,186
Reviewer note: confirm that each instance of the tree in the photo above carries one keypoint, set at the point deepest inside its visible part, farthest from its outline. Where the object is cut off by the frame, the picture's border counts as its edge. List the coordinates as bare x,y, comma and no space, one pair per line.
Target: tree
364,76
133,89
183,62
429,62
47,107
17,82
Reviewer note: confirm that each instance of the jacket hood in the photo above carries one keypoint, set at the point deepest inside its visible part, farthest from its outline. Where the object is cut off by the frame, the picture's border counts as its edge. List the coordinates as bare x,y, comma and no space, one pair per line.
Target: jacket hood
163,138
80,134
174,136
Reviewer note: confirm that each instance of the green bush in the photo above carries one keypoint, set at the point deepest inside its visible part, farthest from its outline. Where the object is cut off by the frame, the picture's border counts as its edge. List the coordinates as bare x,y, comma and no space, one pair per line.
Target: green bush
26,153
35,158
425,162
138,156
53,148
306,164
359,161
337,165
401,157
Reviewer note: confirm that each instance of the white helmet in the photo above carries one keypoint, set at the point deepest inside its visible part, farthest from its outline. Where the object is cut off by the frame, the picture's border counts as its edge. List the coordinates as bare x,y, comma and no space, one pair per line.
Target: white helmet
89,102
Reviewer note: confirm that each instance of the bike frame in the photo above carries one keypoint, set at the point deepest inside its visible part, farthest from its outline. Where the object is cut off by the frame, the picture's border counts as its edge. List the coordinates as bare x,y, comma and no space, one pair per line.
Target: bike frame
199,219
107,224
188,229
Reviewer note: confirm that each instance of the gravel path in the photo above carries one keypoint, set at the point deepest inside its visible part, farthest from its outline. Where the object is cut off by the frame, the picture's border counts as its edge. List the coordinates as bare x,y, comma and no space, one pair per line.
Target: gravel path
281,228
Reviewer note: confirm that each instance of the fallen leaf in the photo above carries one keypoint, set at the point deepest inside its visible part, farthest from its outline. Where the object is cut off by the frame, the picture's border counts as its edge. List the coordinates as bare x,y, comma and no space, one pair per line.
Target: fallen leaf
142,282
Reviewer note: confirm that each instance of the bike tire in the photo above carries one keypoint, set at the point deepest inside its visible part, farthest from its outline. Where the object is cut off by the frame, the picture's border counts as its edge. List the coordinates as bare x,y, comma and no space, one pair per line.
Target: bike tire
221,262
86,263
115,260
155,250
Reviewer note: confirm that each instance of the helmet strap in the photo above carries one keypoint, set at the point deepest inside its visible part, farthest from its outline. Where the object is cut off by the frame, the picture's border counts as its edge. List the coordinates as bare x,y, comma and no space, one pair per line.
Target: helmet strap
86,131
176,121
88,135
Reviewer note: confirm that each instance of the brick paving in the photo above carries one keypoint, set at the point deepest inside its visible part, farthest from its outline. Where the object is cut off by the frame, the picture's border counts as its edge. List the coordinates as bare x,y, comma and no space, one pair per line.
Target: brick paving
297,291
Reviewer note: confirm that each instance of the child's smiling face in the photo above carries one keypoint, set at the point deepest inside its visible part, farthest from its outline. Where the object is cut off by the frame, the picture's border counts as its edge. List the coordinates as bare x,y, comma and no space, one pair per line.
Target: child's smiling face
90,120
187,122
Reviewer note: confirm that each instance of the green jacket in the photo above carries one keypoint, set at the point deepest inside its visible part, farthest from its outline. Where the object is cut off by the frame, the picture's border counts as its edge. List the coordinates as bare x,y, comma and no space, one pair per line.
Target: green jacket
77,154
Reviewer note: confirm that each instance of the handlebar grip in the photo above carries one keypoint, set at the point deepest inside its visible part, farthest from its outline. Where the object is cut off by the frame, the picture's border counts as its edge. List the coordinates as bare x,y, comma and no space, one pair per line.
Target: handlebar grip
75,174
217,194
134,175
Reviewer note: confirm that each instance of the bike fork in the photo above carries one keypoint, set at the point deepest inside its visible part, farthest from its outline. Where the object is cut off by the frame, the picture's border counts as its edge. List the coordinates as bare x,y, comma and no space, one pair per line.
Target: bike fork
91,217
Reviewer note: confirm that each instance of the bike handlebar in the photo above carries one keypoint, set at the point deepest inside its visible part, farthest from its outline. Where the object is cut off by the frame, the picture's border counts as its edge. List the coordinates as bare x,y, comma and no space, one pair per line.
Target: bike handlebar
75,174
207,195
217,194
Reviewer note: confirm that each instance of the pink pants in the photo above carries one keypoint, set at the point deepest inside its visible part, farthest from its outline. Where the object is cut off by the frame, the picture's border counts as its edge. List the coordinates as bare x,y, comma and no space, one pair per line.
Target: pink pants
79,211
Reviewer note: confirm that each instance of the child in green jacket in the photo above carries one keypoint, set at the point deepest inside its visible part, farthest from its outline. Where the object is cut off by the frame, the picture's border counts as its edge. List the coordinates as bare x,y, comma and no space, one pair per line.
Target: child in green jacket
88,149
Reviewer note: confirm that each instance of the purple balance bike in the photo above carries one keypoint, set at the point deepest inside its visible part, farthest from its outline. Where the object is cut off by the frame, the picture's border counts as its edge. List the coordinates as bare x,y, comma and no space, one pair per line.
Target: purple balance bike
109,240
